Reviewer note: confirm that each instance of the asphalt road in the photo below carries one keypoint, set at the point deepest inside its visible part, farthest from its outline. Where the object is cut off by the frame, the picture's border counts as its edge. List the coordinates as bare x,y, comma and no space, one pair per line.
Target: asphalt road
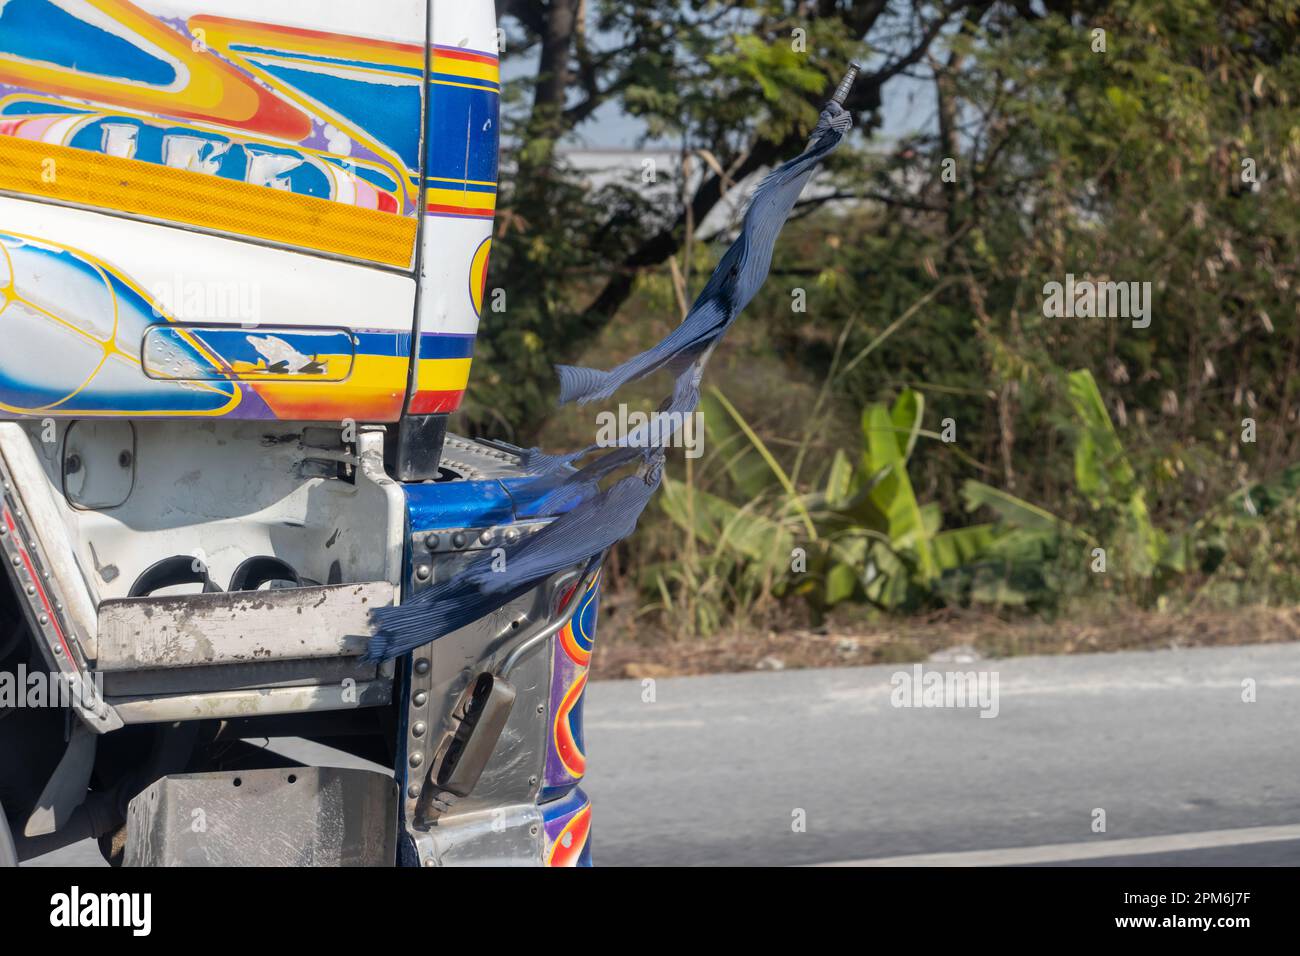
713,770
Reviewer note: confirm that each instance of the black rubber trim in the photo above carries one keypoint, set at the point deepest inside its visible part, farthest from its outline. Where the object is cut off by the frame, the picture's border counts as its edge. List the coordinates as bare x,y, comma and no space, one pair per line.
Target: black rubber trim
253,572
169,572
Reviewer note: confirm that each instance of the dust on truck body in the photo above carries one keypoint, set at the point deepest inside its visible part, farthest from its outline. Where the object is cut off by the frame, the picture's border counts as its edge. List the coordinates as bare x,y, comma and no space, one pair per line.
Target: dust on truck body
243,257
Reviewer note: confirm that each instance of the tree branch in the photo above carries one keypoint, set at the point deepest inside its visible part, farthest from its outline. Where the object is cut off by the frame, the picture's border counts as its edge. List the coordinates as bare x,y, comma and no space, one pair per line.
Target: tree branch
762,153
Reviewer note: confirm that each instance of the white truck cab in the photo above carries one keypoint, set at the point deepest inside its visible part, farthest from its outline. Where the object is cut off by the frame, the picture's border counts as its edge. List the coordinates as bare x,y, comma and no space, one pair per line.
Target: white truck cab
243,256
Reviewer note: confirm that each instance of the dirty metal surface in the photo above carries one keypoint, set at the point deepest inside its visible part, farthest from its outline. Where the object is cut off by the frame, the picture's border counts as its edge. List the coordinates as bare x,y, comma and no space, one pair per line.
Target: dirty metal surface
301,816
212,678
347,695
238,627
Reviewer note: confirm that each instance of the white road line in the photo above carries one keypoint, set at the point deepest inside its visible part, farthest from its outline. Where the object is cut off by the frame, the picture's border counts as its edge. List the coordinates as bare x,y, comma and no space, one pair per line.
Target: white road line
1067,852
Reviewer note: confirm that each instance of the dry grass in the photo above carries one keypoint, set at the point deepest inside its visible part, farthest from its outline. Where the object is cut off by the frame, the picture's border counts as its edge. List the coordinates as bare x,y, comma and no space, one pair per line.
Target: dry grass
621,653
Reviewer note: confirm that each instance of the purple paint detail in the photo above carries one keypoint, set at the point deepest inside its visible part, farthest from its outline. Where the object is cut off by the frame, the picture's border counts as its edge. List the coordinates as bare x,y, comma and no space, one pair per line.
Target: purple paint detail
565,672
317,138
251,407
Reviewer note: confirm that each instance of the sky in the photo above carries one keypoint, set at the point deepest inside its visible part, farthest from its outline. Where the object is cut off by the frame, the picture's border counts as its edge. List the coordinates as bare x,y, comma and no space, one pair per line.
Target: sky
908,105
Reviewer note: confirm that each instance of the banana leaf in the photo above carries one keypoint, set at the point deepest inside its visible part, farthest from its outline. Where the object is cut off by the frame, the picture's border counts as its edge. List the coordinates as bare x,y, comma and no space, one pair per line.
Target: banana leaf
892,492
1014,511
962,546
746,468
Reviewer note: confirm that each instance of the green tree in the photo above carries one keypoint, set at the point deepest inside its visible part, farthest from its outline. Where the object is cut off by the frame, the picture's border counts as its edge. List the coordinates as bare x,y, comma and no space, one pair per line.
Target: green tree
736,85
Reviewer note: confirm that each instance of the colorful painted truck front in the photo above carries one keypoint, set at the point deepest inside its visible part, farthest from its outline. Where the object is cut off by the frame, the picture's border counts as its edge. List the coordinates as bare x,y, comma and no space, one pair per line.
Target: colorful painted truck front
243,258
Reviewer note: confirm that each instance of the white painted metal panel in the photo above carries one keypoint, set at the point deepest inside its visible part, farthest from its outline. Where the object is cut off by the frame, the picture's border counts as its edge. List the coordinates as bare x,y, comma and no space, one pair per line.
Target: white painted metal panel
291,288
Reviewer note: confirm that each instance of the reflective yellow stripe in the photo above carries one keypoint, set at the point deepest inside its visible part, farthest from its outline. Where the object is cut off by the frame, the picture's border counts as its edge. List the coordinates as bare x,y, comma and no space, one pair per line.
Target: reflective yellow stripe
79,176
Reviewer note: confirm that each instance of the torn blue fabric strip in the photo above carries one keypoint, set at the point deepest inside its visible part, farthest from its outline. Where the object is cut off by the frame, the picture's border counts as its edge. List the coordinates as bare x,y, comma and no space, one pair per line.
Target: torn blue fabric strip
600,519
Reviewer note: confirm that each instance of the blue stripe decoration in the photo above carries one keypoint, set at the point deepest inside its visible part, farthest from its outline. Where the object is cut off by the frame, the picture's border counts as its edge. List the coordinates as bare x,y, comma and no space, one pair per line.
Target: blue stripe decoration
38,30
460,186
332,61
373,176
455,111
32,108
439,345
385,111
384,344
433,345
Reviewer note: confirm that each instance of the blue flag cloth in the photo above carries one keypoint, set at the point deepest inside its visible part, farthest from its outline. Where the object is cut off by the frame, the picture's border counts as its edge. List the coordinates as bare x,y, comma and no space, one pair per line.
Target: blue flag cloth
591,520
734,282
